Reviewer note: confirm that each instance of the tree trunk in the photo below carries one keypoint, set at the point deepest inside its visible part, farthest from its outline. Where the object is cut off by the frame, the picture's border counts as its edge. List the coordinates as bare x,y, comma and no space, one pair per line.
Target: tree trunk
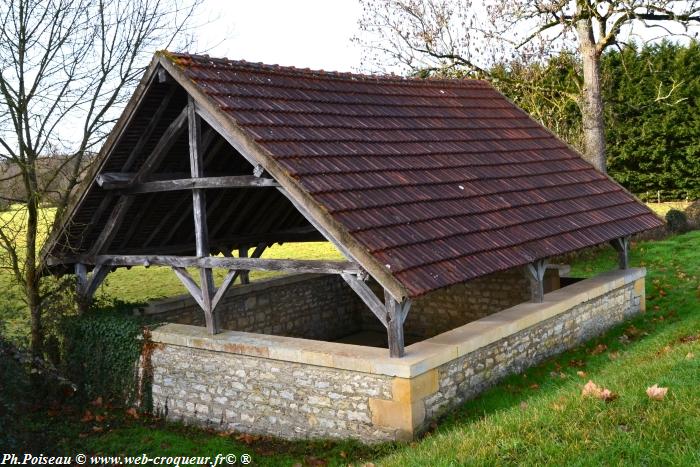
31,273
591,98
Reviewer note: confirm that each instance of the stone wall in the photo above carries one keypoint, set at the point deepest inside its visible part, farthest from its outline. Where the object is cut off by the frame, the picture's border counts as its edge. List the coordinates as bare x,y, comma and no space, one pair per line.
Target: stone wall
467,376
451,307
264,396
323,307
314,306
300,388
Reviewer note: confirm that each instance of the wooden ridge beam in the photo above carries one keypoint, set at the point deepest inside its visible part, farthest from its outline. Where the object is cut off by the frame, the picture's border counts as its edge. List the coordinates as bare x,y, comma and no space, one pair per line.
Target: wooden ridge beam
233,181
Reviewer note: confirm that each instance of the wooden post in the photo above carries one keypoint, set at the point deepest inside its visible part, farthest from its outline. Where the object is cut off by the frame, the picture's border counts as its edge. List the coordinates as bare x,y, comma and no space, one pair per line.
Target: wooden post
622,245
395,326
245,275
87,284
536,272
199,208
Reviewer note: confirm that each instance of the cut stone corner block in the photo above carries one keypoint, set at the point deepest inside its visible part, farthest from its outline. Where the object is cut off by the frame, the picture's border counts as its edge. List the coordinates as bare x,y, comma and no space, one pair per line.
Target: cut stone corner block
405,413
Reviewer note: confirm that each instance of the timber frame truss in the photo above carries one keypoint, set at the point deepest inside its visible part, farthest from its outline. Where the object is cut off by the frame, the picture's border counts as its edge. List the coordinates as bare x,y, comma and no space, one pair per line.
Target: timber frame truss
126,185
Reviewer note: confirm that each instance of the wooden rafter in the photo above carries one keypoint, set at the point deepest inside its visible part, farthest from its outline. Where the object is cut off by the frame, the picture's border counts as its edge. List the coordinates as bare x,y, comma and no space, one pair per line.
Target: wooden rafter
152,161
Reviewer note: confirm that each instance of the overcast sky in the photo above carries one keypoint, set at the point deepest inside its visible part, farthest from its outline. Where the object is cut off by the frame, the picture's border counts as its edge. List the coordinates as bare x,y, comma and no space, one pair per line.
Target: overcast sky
302,33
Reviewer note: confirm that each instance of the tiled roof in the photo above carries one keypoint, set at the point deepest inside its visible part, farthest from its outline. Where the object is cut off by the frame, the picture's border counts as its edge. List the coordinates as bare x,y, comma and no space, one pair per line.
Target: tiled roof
441,180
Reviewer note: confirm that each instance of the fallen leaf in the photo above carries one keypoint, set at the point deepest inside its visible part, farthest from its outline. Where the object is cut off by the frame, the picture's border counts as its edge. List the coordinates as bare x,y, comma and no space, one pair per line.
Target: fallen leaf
97,429
689,356
97,402
577,363
523,405
656,393
131,412
534,386
343,454
598,349
100,418
614,355
593,390
582,374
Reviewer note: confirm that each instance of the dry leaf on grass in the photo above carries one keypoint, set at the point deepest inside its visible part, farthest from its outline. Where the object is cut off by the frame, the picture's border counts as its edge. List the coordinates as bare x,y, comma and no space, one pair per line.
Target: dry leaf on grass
593,390
656,393
87,417
132,413
582,374
598,349
689,356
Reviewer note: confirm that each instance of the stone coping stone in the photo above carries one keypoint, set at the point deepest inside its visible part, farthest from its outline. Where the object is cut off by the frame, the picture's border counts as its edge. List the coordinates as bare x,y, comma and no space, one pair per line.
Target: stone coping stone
419,357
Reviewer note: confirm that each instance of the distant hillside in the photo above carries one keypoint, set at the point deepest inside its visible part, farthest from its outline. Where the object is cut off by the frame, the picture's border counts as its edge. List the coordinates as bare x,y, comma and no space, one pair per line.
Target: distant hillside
54,175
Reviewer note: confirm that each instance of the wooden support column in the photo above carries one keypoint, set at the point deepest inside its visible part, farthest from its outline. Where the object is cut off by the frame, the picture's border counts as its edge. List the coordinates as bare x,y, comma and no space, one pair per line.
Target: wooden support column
199,209
622,245
87,284
395,326
536,272
245,275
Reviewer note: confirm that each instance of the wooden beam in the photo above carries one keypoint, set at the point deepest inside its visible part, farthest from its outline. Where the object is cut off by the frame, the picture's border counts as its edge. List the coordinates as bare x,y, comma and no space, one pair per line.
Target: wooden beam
199,209
201,183
99,273
234,181
536,272
189,284
395,319
232,275
253,264
245,276
81,278
368,297
115,180
622,245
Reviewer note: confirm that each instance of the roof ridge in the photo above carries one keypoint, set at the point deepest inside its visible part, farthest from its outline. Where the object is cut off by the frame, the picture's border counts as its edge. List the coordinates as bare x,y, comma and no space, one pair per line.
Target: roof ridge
324,74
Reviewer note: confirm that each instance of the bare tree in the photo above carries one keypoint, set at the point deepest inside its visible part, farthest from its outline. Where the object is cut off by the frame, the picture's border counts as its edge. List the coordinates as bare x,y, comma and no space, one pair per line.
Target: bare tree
438,35
66,68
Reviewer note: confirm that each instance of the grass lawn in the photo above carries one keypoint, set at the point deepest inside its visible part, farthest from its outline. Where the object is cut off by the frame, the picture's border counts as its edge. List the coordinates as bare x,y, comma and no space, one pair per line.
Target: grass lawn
538,417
